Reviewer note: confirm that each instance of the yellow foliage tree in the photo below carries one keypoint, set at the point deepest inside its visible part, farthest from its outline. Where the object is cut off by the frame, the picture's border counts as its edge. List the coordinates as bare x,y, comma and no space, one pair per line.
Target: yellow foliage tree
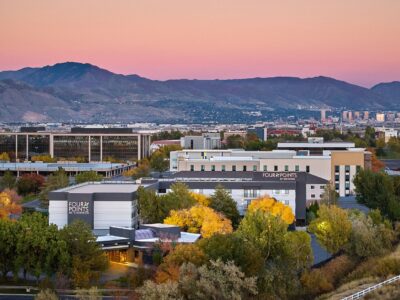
201,199
9,204
200,219
274,207
4,156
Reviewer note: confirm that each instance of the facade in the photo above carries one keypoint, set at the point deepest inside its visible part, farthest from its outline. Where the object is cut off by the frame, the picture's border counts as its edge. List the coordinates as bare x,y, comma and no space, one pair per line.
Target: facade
321,165
261,132
204,141
294,189
100,204
84,144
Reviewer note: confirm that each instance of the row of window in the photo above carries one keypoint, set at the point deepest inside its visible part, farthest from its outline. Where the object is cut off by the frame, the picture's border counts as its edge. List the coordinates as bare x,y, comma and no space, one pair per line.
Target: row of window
346,169
321,187
245,169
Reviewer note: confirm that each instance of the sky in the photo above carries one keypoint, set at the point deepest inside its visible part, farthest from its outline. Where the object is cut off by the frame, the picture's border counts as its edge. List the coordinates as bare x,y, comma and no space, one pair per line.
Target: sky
353,40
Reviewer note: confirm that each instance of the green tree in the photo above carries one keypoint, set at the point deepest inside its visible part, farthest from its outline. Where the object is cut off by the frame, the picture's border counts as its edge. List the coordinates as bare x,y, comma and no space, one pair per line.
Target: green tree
235,141
329,196
370,136
332,228
232,247
142,170
88,260
223,202
9,230
57,180
159,161
8,181
40,249
88,176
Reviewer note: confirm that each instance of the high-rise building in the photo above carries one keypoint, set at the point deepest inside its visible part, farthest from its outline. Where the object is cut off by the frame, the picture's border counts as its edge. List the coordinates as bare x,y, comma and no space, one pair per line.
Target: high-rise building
345,115
350,115
366,115
323,115
356,115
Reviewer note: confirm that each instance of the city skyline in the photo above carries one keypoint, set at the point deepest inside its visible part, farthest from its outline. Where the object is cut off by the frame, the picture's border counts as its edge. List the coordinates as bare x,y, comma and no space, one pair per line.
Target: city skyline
347,40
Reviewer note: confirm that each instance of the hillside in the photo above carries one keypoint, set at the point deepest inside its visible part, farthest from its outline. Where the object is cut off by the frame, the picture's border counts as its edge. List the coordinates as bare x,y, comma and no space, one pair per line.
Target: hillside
83,92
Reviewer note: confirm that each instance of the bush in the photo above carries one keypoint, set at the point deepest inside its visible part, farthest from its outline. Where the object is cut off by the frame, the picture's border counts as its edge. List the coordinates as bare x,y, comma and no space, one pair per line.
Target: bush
29,183
315,283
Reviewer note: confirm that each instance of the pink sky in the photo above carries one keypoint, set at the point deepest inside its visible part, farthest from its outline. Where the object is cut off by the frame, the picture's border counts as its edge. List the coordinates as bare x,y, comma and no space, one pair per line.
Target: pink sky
353,40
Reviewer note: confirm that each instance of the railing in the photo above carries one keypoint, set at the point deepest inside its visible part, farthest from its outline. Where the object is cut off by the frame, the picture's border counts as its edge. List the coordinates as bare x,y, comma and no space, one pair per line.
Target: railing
362,293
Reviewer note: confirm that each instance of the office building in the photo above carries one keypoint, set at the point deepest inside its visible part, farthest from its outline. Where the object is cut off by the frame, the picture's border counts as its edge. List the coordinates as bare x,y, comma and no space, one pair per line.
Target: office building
211,140
380,117
83,144
259,131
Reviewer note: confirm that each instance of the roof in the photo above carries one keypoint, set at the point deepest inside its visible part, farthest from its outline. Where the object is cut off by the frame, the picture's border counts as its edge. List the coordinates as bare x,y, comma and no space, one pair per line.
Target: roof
52,167
343,145
102,187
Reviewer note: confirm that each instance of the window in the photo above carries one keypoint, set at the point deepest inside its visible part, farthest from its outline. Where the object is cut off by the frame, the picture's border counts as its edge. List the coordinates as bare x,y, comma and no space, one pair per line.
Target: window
234,168
223,168
277,192
192,168
347,169
201,191
347,185
265,168
312,195
337,186
251,193
347,177
202,168
254,168
286,192
202,154
244,168
308,169
322,187
297,168
336,177
275,168
312,187
286,202
162,191
286,168
213,168
337,168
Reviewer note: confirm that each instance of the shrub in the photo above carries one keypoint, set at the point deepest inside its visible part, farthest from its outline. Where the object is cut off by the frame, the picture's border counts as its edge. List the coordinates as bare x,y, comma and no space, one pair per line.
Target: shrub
315,283
29,183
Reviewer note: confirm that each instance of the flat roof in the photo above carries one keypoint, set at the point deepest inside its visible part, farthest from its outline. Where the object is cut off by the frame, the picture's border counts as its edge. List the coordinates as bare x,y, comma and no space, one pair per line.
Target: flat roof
316,145
52,167
102,187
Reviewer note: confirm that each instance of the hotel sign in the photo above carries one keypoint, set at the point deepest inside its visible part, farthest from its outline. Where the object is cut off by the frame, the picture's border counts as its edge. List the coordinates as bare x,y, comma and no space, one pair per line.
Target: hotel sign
278,176
80,208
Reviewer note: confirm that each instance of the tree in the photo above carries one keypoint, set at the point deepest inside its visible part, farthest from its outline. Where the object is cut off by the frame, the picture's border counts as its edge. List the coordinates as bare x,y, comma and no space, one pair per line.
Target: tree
8,246
88,294
274,207
332,228
46,294
44,158
155,208
223,202
4,156
376,164
182,253
88,260
329,196
142,170
233,247
218,280
40,248
88,176
29,184
370,136
201,199
57,180
235,141
8,181
200,219
367,238
159,161
9,203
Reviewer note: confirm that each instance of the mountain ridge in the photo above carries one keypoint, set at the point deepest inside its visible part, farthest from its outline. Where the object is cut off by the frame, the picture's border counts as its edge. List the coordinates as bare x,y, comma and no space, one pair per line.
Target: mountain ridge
85,92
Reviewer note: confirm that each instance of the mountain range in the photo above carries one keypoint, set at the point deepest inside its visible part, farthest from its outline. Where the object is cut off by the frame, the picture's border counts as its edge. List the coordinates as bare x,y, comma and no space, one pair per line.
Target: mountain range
77,92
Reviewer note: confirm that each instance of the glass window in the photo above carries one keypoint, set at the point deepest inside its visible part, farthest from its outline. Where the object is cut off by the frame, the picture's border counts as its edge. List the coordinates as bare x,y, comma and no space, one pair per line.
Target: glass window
202,168
192,168
286,192
337,169
347,177
337,186
212,168
308,169
265,168
254,168
275,168
297,168
251,193
244,168
286,168
286,202
347,168
223,168
336,177
312,187
76,148
312,195
234,168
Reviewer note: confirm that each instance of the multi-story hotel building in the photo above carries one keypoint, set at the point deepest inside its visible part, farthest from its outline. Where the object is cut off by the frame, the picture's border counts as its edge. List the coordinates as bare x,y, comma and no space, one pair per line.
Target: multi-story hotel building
89,144
337,163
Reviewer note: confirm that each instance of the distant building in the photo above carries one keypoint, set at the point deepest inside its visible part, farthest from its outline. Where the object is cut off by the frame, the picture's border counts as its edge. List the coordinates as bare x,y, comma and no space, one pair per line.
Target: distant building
380,117
261,132
155,145
323,115
204,141
345,115
241,133
386,133
87,144
366,115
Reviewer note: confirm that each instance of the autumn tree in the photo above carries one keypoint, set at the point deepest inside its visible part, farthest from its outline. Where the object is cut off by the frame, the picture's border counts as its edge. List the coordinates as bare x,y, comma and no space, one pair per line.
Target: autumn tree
159,161
4,157
43,158
88,176
201,199
29,183
329,196
142,170
200,219
57,180
376,164
272,206
8,181
182,253
332,228
9,204
223,202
